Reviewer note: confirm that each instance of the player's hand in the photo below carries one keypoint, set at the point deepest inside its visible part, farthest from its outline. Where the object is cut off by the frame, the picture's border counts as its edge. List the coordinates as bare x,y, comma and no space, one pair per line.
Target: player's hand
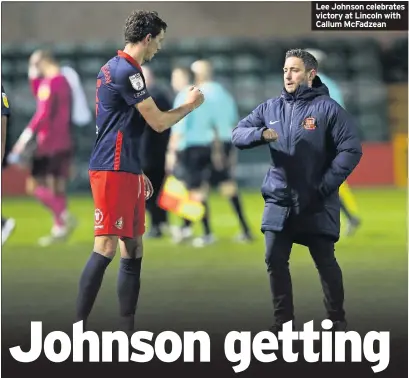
270,135
195,97
148,187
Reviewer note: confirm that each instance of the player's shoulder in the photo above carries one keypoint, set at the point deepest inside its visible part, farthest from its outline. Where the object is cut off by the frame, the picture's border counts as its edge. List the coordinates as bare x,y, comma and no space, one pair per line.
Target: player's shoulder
125,68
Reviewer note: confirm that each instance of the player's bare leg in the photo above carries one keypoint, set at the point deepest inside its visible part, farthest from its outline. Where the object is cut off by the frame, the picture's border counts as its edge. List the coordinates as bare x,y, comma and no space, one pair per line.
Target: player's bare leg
54,191
129,280
201,194
91,279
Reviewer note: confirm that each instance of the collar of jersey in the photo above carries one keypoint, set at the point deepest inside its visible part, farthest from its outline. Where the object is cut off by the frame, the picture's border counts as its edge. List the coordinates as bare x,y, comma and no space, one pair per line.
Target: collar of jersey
129,59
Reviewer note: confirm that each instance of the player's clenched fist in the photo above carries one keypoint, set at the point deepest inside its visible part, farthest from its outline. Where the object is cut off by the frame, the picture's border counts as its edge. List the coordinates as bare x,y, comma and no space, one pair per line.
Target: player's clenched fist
270,135
195,97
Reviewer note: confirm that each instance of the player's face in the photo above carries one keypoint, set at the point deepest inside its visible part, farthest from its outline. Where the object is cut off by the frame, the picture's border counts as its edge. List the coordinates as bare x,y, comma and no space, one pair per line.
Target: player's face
154,45
179,80
36,61
295,74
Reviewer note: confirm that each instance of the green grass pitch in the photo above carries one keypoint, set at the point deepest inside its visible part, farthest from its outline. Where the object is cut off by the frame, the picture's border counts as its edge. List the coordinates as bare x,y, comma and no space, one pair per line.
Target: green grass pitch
224,286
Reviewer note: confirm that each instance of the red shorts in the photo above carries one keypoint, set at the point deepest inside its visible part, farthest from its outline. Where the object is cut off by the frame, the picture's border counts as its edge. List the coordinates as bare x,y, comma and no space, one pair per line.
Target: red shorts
119,200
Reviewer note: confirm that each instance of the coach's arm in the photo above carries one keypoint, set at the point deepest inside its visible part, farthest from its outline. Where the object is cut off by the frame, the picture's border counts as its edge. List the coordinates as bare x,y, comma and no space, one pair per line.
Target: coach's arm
251,131
344,134
161,121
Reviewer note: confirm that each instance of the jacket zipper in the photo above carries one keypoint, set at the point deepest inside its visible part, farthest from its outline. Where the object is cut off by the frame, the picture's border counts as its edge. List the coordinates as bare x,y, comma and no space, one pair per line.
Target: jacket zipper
291,124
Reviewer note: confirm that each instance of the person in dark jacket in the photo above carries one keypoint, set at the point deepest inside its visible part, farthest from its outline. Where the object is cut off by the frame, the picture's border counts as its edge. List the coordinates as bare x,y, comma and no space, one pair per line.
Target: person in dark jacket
153,154
314,147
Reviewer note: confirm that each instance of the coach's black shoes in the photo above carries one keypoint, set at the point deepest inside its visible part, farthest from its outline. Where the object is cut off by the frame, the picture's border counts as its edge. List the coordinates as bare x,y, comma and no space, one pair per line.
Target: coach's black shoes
339,325
278,327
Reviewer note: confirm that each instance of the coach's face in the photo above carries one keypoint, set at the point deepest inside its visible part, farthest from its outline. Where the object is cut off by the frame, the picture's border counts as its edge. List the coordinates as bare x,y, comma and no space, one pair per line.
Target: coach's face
295,74
154,45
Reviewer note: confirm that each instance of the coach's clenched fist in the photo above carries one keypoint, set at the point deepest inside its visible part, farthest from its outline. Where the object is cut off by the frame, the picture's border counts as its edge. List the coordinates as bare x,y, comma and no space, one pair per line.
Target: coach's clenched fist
270,135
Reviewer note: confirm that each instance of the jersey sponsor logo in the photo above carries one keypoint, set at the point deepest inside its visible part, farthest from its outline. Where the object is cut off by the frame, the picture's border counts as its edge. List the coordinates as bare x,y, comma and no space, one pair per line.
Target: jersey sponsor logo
44,92
309,123
137,82
99,217
5,100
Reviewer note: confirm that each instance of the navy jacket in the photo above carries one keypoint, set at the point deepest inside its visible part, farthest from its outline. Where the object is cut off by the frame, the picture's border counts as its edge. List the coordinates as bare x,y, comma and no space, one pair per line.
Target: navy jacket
317,149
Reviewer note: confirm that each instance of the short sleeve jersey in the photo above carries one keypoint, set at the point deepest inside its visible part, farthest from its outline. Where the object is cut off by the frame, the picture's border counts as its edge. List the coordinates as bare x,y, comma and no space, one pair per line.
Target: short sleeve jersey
119,125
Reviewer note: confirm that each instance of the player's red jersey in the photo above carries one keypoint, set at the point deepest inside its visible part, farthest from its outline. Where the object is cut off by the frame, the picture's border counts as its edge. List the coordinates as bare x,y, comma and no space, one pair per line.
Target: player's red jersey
115,170
119,125
52,120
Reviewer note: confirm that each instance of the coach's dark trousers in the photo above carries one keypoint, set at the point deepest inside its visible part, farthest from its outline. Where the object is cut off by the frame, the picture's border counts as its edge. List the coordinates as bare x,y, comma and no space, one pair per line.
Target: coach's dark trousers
278,249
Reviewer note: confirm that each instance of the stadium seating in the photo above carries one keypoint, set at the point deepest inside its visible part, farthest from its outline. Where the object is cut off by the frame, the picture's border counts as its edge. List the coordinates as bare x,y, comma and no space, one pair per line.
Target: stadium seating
251,70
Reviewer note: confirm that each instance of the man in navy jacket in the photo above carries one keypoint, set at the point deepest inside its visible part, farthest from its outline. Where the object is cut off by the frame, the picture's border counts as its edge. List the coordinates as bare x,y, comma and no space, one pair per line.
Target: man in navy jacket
314,147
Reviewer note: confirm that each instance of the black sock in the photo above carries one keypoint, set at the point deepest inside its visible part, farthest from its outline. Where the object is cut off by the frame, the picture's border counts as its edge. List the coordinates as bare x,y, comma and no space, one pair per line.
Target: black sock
187,223
205,219
128,290
90,283
345,210
235,201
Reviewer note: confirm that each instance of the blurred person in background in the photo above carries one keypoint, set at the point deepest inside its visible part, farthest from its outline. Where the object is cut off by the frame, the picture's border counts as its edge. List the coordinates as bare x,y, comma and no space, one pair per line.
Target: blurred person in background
7,224
347,199
189,156
153,155
81,114
48,141
224,158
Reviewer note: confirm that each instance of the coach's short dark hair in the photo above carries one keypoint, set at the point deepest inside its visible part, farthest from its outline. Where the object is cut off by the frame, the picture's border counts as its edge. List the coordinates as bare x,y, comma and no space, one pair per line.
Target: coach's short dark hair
309,60
141,23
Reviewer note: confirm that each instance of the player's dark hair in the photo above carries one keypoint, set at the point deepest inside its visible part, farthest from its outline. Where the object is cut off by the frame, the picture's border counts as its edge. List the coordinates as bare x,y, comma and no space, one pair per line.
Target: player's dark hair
309,60
141,23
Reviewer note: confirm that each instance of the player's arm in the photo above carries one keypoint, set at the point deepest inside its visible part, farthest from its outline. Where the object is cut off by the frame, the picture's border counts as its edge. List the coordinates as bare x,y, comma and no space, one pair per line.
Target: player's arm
133,90
40,118
252,132
344,134
161,121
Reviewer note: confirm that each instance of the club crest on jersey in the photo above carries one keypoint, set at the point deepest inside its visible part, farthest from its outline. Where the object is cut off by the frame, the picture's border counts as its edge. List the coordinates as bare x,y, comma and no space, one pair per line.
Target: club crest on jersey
137,81
309,123
44,92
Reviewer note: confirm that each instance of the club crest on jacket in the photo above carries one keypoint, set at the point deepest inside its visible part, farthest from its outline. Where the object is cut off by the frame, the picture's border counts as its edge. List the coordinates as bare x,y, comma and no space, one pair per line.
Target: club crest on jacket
309,123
